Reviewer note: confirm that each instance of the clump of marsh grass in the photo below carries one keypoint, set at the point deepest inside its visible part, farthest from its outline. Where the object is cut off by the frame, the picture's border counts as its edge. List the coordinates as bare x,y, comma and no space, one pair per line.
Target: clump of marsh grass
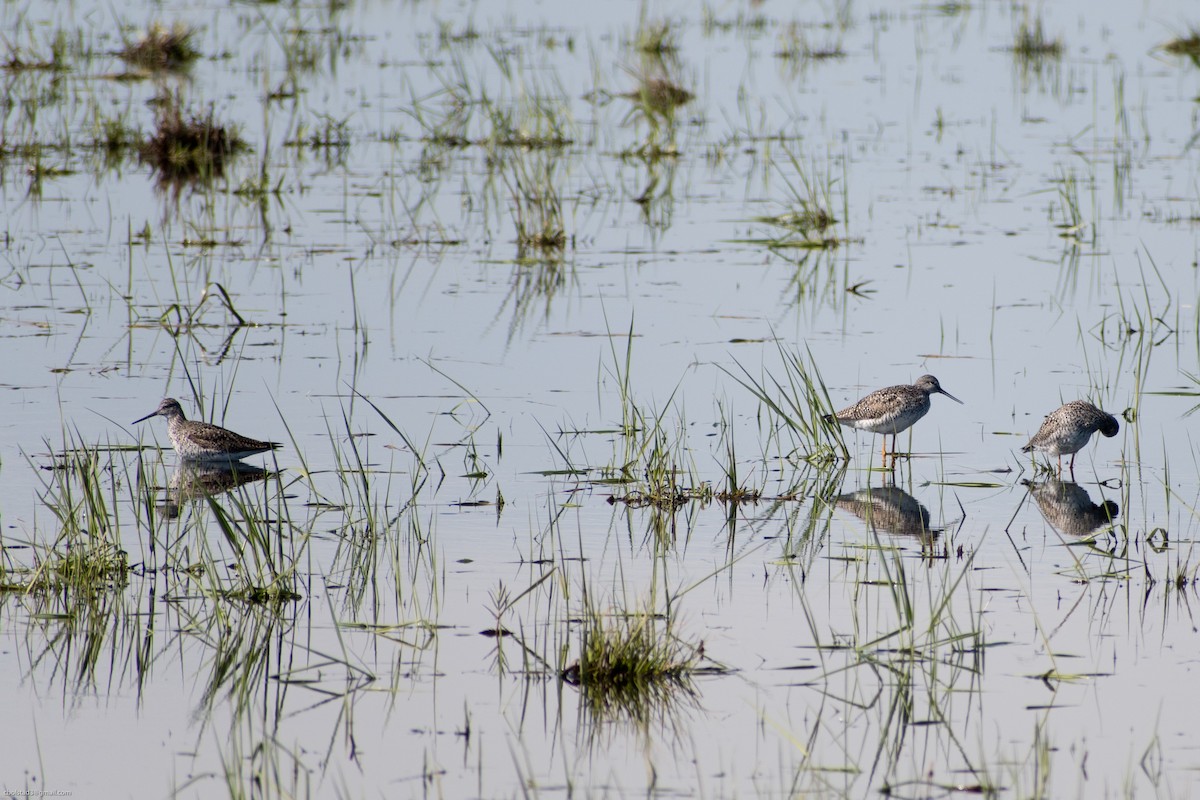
656,469
189,148
656,38
266,560
653,459
799,401
77,495
538,122
736,489
84,571
326,133
657,96
1188,46
449,35
114,141
631,664
655,100
658,92
536,207
807,223
1033,44
162,48
445,116
86,555
115,137
61,47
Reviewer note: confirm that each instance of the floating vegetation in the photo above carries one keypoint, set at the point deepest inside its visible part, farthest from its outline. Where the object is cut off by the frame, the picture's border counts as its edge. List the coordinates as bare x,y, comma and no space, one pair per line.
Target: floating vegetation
189,149
162,48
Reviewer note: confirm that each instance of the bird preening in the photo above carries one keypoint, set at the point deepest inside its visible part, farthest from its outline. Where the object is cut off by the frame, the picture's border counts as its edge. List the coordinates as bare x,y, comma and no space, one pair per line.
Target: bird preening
1068,428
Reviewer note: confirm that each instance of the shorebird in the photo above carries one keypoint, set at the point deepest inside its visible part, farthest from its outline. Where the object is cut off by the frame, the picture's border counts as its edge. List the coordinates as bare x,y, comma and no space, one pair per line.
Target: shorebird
1066,430
200,441
891,410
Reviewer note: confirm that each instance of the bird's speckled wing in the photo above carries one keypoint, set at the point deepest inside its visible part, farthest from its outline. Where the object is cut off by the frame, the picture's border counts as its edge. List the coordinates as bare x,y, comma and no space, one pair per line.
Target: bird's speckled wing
878,403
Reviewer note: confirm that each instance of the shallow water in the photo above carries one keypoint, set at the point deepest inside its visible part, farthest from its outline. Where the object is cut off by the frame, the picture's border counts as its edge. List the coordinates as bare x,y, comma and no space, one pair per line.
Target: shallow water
456,408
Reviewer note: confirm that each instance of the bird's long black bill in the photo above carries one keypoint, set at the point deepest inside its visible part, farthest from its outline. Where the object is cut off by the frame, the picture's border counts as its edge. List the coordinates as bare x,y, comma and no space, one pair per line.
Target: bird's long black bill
952,397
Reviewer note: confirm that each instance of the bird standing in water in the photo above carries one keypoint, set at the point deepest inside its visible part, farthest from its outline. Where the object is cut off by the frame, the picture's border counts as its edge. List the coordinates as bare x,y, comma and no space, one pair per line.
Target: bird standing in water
1067,429
891,410
200,441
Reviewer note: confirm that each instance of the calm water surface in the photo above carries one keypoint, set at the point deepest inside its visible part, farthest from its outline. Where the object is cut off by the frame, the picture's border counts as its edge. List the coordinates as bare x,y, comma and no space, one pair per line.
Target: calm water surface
451,401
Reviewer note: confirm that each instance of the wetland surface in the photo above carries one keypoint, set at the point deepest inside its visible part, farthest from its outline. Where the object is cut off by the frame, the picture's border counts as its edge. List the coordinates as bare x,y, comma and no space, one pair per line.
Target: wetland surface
545,303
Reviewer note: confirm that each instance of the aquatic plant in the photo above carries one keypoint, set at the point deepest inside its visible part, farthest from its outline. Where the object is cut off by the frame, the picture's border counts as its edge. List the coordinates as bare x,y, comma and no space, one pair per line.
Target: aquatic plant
1186,45
798,403
162,47
794,46
813,191
654,37
630,664
189,148
1031,42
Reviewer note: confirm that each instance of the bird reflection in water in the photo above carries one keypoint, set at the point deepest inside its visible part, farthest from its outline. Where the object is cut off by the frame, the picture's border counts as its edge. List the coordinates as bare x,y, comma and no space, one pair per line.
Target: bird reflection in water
1069,508
891,510
195,480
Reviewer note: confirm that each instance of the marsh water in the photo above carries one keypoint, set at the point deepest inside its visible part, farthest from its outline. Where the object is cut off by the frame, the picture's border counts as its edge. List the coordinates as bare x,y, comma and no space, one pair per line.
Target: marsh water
544,302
